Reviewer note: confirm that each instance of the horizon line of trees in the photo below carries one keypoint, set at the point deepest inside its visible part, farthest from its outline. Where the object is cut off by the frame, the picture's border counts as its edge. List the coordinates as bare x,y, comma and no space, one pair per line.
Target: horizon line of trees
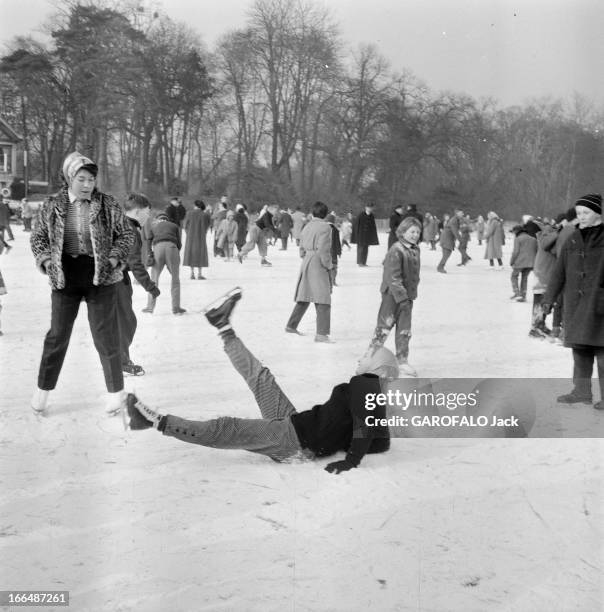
281,112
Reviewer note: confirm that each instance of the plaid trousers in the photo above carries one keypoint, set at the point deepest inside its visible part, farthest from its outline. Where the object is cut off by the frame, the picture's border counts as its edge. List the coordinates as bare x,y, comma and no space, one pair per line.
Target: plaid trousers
272,435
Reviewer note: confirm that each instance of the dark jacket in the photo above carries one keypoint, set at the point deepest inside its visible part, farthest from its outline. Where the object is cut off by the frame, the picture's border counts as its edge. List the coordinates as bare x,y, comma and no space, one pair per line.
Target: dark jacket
339,424
336,245
545,259
401,271
176,214
265,222
579,275
525,250
134,262
164,231
242,222
364,230
285,224
394,222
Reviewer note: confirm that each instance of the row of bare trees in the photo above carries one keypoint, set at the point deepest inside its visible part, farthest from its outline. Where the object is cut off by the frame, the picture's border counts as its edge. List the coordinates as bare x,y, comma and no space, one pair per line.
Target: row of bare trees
281,111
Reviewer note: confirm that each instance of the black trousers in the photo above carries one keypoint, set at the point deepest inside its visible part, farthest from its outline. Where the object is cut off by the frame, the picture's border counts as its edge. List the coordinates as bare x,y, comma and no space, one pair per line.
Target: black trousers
126,319
583,358
102,318
362,252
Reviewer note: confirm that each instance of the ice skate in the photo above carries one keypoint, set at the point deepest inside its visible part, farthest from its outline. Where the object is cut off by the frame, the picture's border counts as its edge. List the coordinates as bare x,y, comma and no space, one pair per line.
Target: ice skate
266,262
179,311
219,311
132,369
140,416
293,330
323,338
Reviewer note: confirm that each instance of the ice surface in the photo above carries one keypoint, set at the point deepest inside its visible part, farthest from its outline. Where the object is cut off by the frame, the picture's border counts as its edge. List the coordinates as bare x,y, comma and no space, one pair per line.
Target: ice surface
136,521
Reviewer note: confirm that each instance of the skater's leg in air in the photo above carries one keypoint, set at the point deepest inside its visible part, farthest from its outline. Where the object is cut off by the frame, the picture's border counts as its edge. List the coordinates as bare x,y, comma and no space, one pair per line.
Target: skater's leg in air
271,400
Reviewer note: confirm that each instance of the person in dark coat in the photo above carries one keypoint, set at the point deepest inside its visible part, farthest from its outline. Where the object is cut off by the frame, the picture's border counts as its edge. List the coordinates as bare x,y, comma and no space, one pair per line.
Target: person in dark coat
176,212
196,224
345,422
314,282
364,234
522,261
285,224
5,214
399,288
137,210
448,237
579,276
395,218
242,221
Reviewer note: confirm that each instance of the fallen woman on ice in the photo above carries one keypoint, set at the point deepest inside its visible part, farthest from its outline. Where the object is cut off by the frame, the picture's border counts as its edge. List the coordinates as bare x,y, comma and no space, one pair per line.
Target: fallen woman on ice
339,424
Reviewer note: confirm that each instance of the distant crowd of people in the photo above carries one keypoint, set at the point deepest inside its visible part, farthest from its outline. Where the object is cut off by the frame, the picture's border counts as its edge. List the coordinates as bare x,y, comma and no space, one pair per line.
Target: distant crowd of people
87,243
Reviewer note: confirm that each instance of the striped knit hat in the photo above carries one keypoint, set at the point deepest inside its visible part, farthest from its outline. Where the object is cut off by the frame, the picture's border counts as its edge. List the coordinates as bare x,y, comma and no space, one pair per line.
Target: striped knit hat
592,201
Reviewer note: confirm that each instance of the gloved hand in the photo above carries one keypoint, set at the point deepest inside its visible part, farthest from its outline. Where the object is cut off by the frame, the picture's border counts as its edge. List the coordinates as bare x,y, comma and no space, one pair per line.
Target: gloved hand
339,466
546,308
155,292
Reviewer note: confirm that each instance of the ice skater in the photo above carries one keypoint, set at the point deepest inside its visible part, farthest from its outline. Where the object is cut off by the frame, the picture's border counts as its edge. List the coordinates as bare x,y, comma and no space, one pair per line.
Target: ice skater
283,433
399,289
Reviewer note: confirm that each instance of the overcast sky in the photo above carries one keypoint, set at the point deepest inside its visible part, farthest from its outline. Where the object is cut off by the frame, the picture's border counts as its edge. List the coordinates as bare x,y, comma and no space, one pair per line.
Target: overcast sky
509,50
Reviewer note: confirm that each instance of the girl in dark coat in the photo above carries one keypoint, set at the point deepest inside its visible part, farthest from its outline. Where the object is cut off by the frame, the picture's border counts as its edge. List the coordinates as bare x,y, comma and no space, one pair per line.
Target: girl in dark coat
579,275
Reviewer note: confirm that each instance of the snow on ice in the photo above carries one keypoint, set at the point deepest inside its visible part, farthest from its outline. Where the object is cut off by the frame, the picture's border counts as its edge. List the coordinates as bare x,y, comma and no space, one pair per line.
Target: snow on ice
136,521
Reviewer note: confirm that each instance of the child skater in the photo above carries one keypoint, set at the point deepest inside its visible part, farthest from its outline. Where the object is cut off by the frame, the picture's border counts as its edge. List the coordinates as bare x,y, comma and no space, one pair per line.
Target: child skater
399,289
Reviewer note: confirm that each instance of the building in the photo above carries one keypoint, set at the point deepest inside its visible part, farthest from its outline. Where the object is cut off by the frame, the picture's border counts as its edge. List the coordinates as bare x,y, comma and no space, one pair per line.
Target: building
10,150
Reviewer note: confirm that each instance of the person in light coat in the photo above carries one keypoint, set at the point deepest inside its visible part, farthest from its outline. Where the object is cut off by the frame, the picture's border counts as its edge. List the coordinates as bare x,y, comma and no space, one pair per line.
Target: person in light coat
495,237
314,283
